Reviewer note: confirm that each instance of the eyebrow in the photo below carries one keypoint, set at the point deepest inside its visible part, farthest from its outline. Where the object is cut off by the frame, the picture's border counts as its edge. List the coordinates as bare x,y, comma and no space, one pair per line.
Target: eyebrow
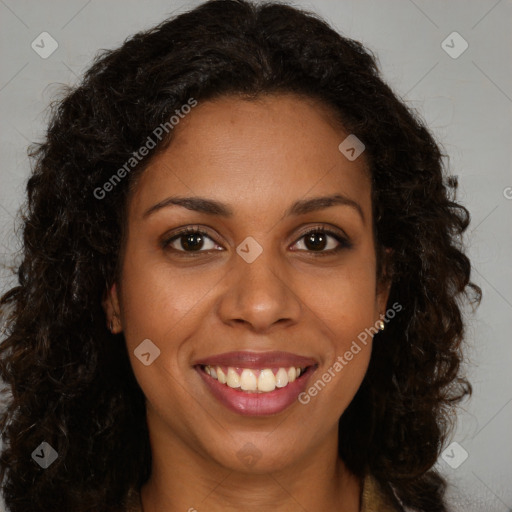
212,207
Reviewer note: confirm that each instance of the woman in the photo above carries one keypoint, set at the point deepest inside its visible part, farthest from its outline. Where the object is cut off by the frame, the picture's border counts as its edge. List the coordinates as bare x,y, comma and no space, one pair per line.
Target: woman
241,283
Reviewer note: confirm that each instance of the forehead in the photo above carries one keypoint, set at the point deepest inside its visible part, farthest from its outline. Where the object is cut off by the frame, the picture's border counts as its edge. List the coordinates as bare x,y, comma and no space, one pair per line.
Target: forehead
254,152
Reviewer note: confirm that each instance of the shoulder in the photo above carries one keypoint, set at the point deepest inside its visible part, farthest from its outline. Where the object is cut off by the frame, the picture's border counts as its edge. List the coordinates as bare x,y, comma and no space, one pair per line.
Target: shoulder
379,497
132,501
375,497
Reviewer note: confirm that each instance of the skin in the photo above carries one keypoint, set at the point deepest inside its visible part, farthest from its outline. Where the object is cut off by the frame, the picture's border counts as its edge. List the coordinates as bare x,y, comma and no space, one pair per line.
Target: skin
258,157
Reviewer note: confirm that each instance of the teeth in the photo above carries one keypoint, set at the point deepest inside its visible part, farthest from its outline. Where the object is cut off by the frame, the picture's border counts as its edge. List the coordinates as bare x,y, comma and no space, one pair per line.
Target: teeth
221,376
233,379
281,378
266,380
250,380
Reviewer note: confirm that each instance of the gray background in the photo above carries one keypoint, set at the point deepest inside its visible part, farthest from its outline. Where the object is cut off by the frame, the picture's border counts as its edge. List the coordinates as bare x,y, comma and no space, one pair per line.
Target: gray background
467,102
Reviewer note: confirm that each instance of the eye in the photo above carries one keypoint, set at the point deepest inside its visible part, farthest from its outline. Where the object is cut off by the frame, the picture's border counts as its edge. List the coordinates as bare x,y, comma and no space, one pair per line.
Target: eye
316,240
190,240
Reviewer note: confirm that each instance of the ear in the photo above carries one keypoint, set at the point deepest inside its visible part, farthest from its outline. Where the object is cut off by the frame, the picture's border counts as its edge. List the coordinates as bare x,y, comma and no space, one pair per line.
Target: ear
384,283
110,304
383,290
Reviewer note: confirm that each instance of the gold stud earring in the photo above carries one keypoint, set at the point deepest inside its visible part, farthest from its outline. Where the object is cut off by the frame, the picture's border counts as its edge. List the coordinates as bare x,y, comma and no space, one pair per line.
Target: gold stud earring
380,325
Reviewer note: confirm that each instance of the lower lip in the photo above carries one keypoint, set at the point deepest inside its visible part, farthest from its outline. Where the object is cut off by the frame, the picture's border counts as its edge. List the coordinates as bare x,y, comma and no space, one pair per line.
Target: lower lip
257,404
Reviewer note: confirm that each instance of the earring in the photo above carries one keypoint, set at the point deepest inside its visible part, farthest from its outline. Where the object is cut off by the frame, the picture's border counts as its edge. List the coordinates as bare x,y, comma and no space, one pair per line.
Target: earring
111,326
380,325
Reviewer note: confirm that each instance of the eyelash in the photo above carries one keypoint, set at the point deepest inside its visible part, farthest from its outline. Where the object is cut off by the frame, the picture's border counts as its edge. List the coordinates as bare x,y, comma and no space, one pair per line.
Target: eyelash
344,243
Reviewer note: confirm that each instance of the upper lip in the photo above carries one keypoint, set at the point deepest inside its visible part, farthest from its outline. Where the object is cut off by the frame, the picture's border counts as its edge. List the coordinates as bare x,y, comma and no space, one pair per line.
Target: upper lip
256,360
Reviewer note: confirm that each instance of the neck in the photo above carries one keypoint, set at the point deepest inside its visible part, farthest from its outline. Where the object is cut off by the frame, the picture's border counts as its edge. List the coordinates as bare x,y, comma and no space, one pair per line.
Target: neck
185,479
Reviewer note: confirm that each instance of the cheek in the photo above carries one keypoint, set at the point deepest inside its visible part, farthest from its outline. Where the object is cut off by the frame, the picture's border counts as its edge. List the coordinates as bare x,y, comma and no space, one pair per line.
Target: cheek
157,300
156,305
344,299
163,305
344,303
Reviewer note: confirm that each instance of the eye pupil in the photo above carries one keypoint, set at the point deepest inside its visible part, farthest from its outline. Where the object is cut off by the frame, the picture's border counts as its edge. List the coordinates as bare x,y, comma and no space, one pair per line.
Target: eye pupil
191,242
311,244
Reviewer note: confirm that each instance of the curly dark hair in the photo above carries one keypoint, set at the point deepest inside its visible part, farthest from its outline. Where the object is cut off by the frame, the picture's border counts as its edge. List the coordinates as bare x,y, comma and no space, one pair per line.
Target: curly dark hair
68,380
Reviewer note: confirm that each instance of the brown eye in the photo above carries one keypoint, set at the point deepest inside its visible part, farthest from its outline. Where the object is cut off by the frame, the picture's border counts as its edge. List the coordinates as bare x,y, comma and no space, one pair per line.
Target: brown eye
190,240
322,241
315,241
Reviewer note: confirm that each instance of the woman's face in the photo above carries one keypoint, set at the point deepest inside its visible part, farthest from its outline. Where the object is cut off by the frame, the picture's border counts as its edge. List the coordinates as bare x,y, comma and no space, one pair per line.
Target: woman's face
252,291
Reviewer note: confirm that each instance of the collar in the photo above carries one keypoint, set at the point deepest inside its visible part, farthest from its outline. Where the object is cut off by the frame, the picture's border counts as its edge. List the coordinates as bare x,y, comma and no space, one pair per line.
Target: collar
374,496
377,496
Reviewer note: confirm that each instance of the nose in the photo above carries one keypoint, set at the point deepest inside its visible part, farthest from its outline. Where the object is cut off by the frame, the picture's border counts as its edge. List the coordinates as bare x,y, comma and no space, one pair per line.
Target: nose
259,295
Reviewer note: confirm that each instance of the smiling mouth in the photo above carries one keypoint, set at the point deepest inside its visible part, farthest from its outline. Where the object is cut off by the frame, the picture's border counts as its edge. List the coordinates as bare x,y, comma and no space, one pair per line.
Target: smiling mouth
253,380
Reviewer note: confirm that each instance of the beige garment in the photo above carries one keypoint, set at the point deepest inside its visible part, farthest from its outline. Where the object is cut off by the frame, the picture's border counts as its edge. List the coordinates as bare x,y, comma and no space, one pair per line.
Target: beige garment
377,498
374,498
